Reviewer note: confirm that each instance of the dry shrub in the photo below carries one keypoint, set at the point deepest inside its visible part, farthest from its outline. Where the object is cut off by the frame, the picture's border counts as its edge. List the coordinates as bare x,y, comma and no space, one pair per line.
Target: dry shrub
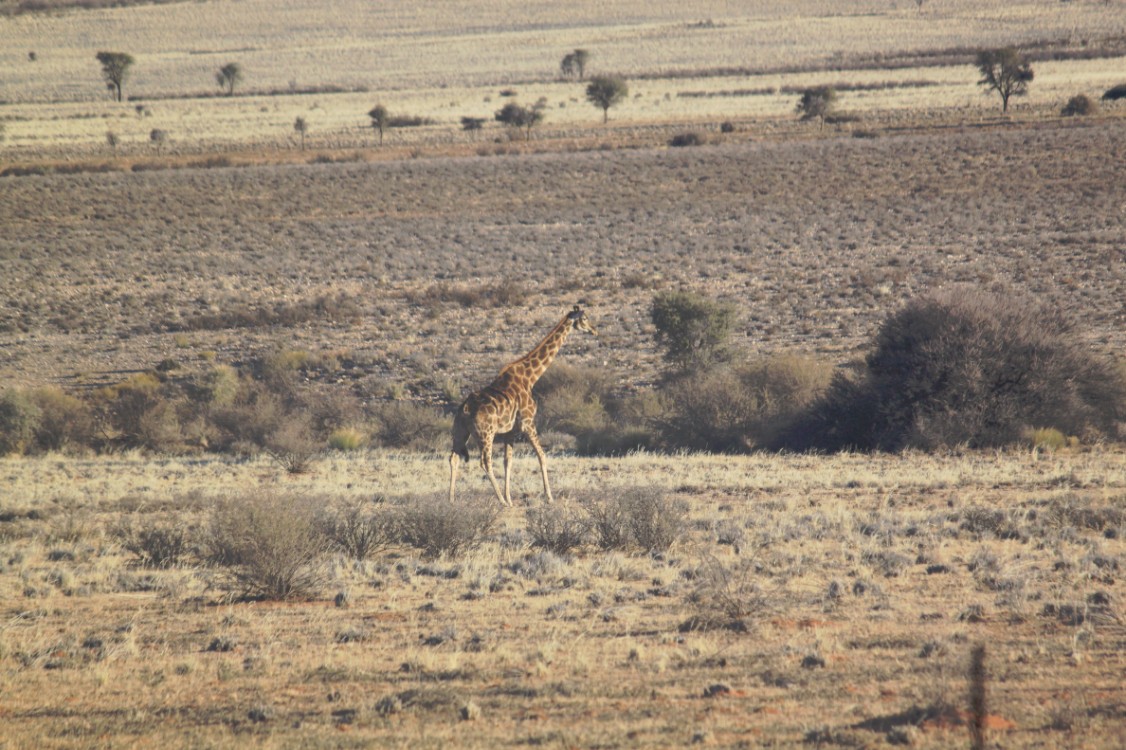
293,444
270,542
140,413
726,596
19,419
340,308
1079,106
580,402
643,516
504,293
65,421
359,528
156,543
965,367
557,528
439,526
741,407
411,425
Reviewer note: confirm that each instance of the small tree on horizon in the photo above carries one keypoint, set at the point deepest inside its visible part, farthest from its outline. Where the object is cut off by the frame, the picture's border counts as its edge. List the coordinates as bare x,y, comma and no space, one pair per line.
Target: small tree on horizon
817,103
379,119
520,117
301,127
1006,71
605,92
228,76
115,70
574,63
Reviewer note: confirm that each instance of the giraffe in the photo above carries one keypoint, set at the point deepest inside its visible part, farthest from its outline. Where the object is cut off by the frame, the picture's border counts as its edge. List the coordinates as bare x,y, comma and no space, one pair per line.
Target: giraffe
504,409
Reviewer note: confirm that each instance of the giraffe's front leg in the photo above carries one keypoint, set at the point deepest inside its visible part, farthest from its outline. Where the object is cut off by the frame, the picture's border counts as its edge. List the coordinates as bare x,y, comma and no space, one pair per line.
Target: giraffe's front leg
508,471
487,464
455,460
529,429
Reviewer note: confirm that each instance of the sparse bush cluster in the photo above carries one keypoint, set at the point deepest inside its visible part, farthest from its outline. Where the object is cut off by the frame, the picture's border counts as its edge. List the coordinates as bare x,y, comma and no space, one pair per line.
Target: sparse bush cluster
642,518
263,407
957,367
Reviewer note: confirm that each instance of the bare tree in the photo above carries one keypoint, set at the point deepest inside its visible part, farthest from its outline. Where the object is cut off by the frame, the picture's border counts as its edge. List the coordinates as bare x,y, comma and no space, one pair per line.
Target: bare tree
229,76
1005,71
605,92
115,69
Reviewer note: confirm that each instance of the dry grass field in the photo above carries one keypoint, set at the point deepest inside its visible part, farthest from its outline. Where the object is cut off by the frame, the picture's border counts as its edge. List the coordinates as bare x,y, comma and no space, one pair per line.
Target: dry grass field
807,601
764,600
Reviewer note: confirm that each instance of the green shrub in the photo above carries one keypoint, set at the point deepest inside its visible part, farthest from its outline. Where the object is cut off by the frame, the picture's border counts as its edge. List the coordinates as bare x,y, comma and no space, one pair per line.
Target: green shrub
270,542
964,367
692,329
438,526
346,439
1047,438
19,419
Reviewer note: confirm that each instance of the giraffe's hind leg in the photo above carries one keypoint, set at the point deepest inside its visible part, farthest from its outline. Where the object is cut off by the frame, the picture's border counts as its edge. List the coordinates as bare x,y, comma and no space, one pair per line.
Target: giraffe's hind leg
529,429
508,470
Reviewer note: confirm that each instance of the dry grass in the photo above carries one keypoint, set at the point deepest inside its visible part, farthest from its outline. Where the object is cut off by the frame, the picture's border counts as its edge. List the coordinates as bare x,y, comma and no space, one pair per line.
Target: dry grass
800,600
833,596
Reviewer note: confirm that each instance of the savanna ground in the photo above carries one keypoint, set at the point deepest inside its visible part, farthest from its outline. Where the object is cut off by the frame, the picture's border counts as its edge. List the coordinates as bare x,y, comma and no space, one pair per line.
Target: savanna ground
825,601
859,583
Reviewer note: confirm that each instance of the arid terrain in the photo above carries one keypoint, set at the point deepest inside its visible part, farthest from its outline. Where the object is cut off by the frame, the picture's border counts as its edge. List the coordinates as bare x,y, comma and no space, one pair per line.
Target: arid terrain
787,601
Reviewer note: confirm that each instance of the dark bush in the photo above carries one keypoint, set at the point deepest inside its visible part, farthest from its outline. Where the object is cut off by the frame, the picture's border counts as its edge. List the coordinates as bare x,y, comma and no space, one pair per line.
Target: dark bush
1114,93
965,367
687,139
1079,106
270,542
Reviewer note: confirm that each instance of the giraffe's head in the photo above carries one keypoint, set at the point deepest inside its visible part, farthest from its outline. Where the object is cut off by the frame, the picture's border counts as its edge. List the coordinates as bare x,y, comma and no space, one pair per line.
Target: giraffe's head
580,321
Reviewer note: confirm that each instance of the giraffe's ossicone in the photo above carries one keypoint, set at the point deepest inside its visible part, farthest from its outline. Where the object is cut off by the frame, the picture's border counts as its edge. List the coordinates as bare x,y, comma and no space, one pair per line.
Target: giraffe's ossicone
504,409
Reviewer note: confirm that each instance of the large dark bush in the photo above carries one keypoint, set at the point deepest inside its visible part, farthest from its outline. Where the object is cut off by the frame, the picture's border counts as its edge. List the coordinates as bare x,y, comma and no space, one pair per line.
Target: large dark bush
966,367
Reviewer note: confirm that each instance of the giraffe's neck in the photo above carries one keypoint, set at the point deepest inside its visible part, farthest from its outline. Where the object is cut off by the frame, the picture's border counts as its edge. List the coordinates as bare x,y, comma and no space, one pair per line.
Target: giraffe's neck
533,364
